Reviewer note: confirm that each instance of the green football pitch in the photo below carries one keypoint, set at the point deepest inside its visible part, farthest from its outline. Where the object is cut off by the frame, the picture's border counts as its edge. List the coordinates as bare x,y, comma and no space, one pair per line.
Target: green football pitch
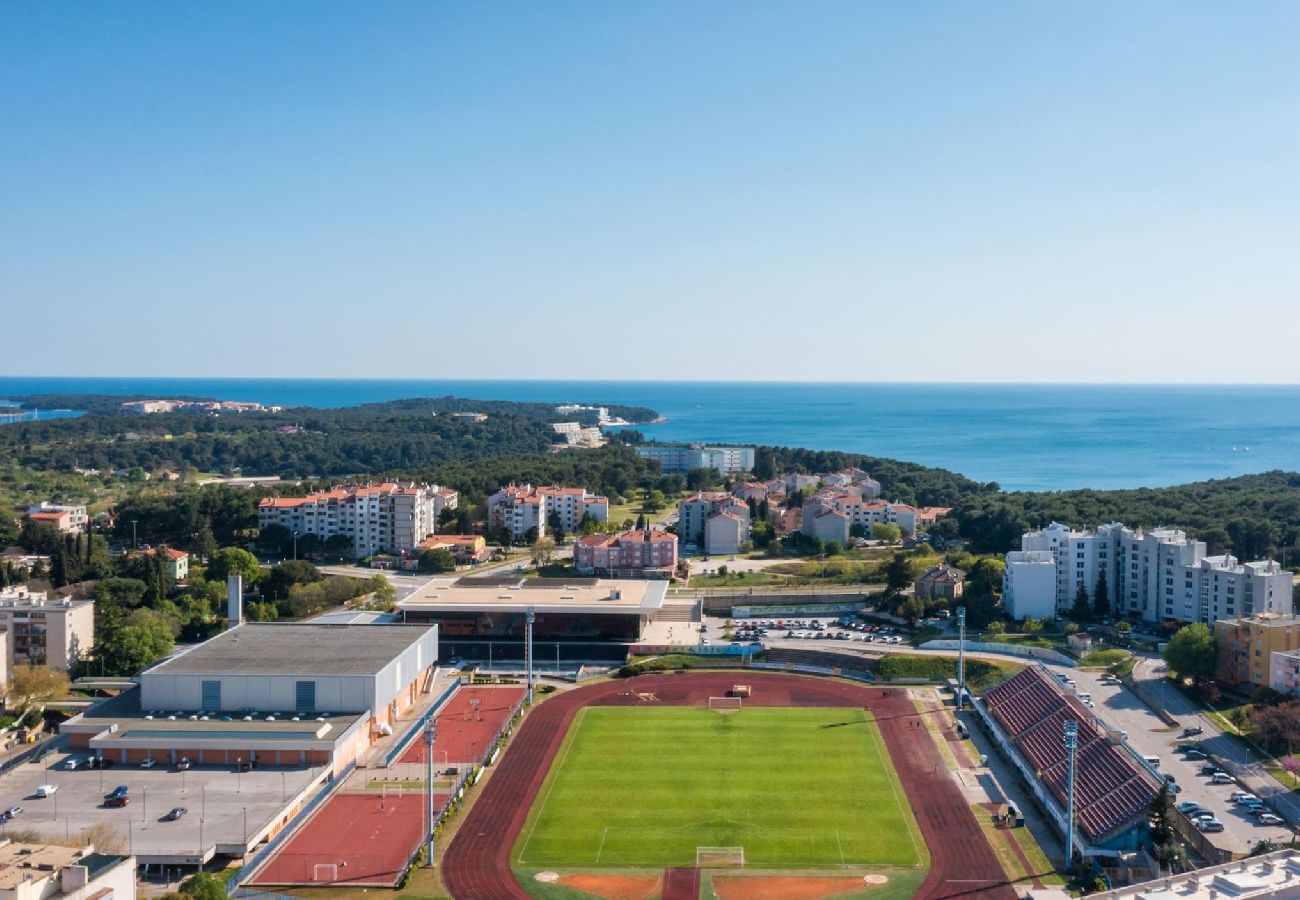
803,787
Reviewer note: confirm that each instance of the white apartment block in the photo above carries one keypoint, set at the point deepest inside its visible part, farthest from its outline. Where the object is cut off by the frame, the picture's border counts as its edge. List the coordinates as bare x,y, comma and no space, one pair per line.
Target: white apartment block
1029,584
387,517
853,509
693,514
44,632
681,458
1156,575
72,519
521,508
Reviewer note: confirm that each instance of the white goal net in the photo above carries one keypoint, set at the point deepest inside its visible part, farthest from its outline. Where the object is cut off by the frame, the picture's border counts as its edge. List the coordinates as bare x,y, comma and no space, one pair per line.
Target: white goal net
389,789
717,857
328,872
725,702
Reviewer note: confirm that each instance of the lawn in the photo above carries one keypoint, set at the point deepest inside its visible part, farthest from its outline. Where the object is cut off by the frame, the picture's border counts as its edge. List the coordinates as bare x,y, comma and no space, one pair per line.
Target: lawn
793,787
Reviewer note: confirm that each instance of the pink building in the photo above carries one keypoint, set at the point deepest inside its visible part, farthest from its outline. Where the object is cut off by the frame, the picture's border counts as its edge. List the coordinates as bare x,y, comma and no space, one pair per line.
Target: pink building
632,554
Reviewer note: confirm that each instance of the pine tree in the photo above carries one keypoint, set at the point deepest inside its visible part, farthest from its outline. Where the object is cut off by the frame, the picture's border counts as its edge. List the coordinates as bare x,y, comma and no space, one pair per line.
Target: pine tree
1082,607
1101,597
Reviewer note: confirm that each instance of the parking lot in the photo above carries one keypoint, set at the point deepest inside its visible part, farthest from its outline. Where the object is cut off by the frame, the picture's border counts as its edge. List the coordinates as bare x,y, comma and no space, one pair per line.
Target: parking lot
1150,736
227,810
818,629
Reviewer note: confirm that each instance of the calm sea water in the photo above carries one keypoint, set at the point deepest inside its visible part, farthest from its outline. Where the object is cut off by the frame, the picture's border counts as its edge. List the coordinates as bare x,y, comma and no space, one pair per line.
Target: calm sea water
1025,437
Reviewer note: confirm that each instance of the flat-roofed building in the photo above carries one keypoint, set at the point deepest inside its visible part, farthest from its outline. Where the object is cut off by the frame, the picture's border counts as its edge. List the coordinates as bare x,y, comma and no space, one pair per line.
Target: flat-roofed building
66,518
284,693
574,609
1247,646
388,517
682,458
53,872
45,632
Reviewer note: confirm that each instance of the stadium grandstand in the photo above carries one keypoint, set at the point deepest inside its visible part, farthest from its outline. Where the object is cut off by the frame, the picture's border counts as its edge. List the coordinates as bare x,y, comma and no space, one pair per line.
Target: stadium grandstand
1112,786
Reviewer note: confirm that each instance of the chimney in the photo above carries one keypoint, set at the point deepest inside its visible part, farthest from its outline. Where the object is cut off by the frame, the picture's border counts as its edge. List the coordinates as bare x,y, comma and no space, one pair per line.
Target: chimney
235,600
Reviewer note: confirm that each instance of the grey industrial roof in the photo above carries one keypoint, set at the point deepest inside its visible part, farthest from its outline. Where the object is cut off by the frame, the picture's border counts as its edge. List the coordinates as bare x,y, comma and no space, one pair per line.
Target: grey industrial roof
272,648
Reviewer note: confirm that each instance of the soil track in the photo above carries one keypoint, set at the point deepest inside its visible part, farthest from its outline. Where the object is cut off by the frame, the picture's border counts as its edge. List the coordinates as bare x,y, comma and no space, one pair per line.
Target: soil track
477,864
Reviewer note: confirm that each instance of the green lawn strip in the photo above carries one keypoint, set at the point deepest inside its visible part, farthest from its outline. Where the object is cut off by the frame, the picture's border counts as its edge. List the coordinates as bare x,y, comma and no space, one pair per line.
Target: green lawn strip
1038,860
902,884
795,787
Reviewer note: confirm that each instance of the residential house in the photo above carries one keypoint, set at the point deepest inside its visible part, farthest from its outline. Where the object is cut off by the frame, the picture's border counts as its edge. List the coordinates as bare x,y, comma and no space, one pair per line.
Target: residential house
724,532
941,582
693,514
69,519
643,553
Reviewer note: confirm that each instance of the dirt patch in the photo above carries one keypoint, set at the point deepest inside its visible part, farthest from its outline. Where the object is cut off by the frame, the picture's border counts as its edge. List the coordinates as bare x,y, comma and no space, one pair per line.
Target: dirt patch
615,887
784,887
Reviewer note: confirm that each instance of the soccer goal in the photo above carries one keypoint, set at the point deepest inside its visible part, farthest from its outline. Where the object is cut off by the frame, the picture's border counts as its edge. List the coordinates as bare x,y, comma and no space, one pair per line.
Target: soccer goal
725,702
327,872
390,789
719,857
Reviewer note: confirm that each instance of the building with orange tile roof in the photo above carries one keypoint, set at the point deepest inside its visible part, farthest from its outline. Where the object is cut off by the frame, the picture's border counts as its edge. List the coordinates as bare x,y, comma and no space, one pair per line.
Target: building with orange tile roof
522,508
388,517
643,553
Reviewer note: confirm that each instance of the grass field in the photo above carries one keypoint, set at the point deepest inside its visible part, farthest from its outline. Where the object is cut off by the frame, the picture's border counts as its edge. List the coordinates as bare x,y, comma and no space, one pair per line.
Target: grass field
795,788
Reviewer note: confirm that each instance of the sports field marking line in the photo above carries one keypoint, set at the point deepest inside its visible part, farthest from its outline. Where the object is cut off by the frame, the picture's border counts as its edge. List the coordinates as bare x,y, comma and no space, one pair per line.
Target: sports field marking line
894,785
840,846
601,849
555,769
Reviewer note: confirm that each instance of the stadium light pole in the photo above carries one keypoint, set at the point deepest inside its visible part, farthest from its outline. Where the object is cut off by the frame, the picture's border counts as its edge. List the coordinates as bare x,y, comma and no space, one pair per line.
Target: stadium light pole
529,616
430,733
961,657
1071,738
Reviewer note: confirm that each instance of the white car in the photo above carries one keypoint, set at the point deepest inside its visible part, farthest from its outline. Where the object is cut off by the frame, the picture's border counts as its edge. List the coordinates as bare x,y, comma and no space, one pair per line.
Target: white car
47,790
1270,819
149,763
1210,824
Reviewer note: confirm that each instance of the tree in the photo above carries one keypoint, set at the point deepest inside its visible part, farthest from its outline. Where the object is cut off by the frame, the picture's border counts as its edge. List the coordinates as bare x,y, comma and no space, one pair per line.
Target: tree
913,610
1163,834
339,546
834,548
1082,605
34,685
703,479
133,648
204,886
898,573
984,575
275,540
1032,626
233,561
857,530
284,576
438,559
1101,597
204,543
888,533
1191,653
543,552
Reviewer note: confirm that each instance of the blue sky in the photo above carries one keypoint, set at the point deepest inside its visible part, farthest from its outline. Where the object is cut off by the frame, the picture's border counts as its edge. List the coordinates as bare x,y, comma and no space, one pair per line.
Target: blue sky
761,190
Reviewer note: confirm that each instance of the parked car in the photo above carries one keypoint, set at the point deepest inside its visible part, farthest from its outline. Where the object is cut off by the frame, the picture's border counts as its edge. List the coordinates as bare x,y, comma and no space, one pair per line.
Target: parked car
1241,796
1270,819
1210,824
72,763
1193,755
148,763
176,813
1190,807
1209,768
1193,730
120,791
1222,778
10,813
47,790
117,802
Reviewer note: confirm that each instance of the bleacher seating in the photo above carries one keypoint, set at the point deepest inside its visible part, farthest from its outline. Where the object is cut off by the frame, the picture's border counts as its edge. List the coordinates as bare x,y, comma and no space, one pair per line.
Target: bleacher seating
1111,791
845,662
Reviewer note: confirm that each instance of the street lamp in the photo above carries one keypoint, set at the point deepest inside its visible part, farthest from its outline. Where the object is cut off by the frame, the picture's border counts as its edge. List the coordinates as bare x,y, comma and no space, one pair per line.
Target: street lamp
430,733
135,544
239,772
295,544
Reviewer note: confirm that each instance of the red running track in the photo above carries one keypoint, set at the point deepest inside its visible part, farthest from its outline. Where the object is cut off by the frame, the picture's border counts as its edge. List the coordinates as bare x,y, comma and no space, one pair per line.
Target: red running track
368,838
465,737
476,865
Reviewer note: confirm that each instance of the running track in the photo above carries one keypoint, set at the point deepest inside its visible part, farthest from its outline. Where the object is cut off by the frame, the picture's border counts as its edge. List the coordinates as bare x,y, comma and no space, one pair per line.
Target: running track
477,864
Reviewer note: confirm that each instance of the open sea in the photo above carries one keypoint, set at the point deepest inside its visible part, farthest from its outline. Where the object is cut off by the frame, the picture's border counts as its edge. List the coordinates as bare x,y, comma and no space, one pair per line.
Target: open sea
1025,437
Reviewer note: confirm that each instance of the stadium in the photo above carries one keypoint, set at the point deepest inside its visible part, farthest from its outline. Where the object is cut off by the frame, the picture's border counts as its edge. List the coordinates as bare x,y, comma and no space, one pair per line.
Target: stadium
682,785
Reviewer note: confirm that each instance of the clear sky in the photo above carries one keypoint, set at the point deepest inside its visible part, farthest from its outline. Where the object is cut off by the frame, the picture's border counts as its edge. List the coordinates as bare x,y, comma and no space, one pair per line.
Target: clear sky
1038,191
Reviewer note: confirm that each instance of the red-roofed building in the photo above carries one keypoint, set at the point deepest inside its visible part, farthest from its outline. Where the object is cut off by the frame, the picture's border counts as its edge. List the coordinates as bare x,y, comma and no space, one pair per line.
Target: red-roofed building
388,517
521,508
632,554
71,519
177,562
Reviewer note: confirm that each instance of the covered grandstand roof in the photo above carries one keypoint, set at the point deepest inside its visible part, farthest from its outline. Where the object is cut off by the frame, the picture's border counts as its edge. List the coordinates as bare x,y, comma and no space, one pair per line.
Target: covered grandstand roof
1112,790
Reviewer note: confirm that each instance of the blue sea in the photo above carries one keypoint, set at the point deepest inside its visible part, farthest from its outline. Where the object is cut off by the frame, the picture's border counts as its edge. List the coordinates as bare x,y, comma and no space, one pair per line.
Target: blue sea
1025,437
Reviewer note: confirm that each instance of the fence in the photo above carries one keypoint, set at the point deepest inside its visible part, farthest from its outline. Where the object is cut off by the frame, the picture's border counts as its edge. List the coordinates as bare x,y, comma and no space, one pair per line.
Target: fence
250,867
399,747
1146,695
1200,841
1044,654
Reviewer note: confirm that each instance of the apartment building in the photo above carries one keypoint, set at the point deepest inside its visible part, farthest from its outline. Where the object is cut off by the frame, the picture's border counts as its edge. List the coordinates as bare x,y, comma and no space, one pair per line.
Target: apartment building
693,515
69,519
831,513
1029,584
633,554
1249,647
386,517
45,632
1158,575
53,872
681,458
523,508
